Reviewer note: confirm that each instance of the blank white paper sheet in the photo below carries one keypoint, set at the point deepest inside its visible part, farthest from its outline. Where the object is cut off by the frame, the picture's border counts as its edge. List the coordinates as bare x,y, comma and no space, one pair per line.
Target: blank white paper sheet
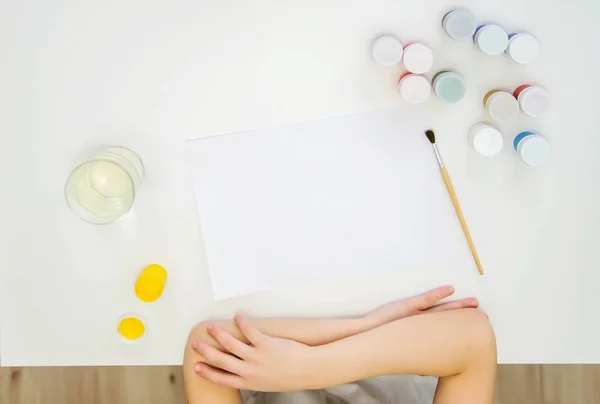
350,196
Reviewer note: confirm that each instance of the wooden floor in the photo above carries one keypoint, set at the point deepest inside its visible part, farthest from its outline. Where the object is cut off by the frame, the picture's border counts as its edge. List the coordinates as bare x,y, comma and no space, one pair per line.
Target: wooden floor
517,384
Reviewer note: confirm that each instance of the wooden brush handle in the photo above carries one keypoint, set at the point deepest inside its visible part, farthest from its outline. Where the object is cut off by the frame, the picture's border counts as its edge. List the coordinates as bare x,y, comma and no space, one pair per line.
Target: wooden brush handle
461,217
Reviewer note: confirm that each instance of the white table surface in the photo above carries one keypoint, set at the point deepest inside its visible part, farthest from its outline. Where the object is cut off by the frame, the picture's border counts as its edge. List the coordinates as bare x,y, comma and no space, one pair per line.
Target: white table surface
78,75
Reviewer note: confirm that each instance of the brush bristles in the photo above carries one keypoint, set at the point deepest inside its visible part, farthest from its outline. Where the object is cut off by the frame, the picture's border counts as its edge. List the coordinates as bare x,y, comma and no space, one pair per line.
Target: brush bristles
430,135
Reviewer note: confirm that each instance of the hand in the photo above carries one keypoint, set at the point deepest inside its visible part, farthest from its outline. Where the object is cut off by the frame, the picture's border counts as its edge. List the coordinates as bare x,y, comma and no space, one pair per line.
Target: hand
266,364
411,306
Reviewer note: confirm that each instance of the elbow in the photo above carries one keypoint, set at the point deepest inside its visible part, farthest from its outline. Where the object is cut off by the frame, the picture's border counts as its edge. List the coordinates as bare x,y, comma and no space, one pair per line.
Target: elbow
482,336
198,333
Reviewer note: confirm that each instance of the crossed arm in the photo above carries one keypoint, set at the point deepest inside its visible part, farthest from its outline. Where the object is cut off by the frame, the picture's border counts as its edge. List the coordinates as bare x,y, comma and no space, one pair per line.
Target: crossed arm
449,341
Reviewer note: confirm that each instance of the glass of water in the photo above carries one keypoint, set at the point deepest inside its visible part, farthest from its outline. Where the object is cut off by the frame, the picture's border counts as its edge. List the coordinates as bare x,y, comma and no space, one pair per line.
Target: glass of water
103,189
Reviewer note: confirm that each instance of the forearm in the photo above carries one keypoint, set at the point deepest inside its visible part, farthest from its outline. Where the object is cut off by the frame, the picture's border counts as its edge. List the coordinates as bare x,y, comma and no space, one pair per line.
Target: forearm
457,346
309,332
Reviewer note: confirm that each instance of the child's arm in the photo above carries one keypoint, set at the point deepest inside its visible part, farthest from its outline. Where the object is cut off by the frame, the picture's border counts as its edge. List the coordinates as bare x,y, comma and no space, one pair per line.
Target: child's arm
457,346
308,332
314,332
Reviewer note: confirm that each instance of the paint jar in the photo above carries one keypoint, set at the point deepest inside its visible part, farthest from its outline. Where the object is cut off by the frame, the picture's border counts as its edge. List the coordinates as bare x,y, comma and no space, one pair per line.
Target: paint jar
491,39
414,88
418,58
151,283
103,189
532,148
522,48
533,100
131,328
486,139
501,106
459,24
449,86
387,50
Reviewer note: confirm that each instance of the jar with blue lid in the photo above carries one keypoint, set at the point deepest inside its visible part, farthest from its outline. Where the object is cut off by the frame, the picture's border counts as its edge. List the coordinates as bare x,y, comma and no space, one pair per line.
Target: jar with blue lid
532,148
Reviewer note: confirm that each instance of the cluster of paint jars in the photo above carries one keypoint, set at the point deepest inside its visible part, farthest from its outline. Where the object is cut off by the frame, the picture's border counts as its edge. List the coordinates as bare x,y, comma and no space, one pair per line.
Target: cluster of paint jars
491,39
417,58
448,86
488,141
503,107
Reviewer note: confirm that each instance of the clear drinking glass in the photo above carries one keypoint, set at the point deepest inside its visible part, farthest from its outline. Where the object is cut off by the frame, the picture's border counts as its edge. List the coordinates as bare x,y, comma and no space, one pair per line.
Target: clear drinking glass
103,189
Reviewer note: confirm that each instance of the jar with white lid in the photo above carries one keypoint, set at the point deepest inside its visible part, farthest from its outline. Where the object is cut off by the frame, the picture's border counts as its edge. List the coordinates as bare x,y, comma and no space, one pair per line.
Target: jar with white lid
414,88
533,100
532,148
486,139
522,48
502,106
387,50
449,86
491,39
459,24
418,58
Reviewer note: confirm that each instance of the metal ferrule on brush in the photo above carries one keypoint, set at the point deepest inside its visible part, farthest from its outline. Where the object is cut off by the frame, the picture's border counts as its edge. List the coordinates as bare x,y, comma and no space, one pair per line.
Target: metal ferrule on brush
438,156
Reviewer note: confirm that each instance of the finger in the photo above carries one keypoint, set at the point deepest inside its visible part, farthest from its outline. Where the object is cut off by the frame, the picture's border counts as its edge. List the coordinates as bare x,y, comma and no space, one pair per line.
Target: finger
429,299
457,304
229,342
220,377
218,359
252,333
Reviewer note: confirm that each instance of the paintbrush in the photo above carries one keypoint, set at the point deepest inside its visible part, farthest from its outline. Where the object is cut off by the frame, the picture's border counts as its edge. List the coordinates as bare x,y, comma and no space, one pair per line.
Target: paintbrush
431,136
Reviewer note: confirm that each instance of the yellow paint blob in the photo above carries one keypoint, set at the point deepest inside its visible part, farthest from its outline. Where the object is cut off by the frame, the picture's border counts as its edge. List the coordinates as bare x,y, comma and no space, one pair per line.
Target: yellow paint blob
151,283
131,328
